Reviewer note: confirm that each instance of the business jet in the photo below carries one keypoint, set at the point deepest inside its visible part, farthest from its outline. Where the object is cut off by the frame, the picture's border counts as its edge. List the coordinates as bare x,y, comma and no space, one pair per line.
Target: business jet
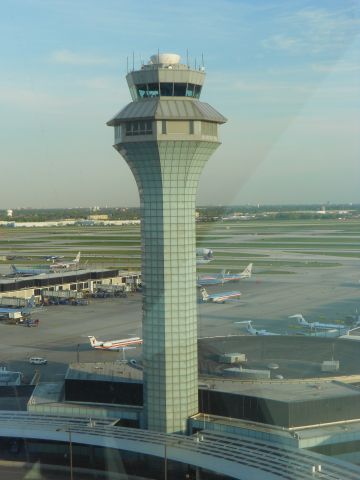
253,331
114,345
218,297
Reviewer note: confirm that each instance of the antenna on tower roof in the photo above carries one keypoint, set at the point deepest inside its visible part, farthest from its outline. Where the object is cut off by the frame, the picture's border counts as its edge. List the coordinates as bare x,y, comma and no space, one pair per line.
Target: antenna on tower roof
187,57
133,61
127,64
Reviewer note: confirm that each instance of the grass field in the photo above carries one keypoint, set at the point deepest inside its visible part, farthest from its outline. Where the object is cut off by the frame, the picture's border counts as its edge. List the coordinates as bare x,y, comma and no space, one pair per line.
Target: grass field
234,245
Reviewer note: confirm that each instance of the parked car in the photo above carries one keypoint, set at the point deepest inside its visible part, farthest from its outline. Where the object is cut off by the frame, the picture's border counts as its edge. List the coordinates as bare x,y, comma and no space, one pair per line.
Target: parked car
38,360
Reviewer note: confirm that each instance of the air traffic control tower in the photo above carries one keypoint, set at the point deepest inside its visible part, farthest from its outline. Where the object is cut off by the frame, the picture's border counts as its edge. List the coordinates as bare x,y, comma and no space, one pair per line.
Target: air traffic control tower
166,135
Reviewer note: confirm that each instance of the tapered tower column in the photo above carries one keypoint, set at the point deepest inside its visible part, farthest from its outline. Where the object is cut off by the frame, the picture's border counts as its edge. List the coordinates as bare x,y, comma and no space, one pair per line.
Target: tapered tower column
166,135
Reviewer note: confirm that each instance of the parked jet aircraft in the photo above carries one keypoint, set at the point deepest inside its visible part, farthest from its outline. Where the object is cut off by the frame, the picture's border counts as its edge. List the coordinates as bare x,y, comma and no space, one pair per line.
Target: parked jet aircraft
26,271
8,311
313,325
218,297
114,345
228,277
253,331
223,276
216,279
64,265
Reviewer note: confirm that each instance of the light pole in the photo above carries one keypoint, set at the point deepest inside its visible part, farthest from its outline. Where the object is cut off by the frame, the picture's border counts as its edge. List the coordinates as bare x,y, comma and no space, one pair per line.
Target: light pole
165,460
68,430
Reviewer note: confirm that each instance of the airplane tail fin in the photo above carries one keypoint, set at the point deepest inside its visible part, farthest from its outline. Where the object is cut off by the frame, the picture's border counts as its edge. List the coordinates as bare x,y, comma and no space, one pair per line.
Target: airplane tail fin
13,269
247,272
300,319
77,258
92,340
204,294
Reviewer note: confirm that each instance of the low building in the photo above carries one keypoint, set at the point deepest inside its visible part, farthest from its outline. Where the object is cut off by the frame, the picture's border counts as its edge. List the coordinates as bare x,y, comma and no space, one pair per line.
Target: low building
8,378
75,280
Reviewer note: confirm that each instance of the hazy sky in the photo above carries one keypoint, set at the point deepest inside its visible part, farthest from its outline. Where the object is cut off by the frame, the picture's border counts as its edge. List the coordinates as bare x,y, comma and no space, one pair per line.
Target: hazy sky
285,73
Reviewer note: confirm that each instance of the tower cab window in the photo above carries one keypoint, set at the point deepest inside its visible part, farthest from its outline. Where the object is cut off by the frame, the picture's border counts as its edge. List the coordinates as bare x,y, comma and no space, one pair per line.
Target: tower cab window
179,89
168,89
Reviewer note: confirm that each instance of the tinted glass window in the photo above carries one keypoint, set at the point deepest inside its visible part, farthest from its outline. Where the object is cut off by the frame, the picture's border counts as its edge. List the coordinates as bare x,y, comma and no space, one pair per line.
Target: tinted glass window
179,89
197,91
190,90
141,90
153,90
166,89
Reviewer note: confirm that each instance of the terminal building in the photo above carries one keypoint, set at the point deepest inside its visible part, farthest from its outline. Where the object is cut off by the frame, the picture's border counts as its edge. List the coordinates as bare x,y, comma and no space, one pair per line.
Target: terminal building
79,280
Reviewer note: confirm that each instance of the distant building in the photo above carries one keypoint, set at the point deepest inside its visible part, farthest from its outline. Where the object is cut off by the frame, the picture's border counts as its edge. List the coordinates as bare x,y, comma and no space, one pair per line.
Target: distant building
98,217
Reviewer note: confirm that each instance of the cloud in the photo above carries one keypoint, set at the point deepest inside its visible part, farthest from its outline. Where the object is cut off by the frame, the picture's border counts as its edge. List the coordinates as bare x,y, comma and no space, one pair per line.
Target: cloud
281,42
340,68
66,57
314,31
23,97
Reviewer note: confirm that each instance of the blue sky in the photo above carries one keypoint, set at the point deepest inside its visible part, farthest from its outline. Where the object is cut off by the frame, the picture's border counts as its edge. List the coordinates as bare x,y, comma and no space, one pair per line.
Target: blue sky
285,74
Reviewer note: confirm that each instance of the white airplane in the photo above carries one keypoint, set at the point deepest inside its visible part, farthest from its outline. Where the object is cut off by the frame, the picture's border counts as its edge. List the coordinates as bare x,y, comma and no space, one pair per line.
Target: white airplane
64,265
28,271
253,331
218,297
246,273
114,345
313,325
224,276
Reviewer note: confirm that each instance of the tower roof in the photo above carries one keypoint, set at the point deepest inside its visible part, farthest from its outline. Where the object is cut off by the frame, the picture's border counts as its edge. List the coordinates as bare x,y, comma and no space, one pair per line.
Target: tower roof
168,109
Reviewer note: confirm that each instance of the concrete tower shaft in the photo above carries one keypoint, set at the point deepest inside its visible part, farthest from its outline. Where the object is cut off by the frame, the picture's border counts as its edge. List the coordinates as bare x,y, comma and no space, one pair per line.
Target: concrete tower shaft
166,140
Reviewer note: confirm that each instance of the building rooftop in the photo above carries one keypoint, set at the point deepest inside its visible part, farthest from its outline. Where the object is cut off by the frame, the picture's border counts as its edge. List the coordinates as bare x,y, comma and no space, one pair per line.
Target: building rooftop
104,372
284,391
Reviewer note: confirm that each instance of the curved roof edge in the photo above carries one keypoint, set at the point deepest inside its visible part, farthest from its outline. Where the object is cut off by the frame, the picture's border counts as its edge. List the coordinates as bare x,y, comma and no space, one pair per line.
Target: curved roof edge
168,109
